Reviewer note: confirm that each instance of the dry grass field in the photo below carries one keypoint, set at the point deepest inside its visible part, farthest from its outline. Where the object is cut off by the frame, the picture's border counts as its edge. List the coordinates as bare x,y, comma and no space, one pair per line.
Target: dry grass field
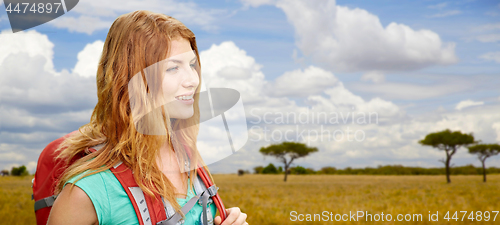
16,206
268,200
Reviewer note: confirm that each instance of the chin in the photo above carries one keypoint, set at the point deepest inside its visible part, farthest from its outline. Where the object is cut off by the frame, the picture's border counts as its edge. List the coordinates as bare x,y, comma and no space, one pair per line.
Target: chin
184,116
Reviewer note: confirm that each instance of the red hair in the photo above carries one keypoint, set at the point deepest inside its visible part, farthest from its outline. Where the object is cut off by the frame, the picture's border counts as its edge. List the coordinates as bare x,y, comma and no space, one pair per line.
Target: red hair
134,42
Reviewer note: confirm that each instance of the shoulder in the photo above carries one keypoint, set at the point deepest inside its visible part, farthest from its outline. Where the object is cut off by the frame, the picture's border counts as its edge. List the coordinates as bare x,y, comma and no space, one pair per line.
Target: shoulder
73,206
110,200
83,194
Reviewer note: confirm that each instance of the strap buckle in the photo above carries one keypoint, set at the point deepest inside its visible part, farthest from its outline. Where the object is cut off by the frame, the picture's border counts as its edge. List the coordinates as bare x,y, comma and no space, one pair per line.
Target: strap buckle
45,202
212,190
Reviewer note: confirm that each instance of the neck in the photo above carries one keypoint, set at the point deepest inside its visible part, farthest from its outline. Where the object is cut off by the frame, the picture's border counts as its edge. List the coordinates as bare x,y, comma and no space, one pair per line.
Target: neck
167,160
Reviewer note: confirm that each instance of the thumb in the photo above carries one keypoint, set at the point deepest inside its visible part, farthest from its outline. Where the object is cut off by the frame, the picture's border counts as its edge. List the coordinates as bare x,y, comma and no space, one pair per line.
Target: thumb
217,220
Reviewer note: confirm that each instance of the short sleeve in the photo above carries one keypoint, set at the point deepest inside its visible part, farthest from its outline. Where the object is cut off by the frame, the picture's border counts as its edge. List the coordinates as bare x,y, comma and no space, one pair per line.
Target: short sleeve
95,187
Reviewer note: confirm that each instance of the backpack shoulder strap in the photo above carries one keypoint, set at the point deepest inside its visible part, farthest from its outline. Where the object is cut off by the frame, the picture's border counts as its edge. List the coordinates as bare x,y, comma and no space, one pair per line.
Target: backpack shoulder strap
149,210
205,178
203,197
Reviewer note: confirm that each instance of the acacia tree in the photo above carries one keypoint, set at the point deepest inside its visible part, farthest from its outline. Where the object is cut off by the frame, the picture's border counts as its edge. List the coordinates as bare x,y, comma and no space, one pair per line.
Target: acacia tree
449,142
483,151
286,152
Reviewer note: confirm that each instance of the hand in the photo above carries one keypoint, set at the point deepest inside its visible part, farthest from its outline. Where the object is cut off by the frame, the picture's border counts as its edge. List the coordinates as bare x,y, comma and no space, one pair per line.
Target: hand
234,216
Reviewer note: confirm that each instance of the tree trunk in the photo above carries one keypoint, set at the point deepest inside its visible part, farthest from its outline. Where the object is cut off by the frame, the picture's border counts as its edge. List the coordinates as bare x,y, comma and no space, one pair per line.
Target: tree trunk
448,167
287,165
286,171
484,172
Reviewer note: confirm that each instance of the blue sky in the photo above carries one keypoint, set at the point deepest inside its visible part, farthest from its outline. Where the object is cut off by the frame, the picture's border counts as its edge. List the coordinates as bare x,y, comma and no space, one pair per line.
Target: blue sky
424,66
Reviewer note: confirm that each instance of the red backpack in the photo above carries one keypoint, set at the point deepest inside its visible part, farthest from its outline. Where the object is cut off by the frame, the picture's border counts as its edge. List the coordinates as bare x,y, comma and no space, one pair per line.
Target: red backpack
148,210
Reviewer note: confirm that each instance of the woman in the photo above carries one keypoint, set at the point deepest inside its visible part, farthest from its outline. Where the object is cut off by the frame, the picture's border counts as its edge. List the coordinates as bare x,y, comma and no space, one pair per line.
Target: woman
148,83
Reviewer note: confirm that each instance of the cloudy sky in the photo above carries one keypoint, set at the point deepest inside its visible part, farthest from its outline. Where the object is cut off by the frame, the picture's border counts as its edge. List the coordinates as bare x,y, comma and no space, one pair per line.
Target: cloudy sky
415,66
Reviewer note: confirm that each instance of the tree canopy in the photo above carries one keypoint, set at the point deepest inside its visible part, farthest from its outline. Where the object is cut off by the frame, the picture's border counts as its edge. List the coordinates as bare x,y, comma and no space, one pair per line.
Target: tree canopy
286,152
19,171
484,151
449,142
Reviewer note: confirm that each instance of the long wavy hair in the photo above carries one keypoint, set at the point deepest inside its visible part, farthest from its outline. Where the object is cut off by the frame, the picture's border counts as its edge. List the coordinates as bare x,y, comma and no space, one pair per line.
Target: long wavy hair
135,41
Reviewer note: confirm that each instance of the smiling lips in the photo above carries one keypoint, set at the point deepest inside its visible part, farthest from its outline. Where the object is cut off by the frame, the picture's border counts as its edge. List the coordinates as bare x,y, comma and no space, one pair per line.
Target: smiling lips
188,97
185,97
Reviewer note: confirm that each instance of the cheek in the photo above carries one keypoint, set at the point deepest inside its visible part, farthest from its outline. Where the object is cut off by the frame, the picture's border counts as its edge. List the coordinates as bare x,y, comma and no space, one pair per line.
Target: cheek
169,88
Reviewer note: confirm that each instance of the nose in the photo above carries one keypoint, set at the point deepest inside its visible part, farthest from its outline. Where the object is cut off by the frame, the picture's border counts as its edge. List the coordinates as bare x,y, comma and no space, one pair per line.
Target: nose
191,79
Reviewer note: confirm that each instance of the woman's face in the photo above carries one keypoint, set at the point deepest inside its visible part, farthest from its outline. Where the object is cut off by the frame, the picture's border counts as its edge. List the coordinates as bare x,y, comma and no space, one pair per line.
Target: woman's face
180,79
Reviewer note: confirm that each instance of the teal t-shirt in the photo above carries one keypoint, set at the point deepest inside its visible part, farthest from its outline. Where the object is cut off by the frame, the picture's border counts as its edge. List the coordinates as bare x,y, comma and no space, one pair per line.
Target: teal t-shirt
113,206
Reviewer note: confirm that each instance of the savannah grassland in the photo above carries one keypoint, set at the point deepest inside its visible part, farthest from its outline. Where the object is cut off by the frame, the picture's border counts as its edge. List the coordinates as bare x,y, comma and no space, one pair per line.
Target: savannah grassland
268,200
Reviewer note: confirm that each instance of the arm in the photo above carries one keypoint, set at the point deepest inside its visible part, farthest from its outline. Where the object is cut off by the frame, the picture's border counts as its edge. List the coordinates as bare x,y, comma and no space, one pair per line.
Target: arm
72,207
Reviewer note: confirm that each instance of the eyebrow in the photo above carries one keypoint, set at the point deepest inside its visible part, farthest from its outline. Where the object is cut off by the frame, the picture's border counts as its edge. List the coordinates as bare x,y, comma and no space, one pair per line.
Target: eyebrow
180,61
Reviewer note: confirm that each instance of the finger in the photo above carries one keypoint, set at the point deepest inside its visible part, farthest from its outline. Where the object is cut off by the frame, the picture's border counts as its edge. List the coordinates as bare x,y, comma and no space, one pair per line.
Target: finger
241,219
233,214
217,220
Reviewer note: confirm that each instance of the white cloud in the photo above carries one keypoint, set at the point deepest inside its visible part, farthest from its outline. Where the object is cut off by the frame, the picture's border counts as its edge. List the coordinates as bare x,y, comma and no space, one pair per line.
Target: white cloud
341,96
82,24
11,156
491,56
467,103
30,42
92,15
344,39
31,167
410,91
257,3
373,76
398,142
302,83
226,65
11,138
446,14
36,90
312,82
37,103
488,27
395,142
496,127
488,38
438,6
395,139
250,81
88,59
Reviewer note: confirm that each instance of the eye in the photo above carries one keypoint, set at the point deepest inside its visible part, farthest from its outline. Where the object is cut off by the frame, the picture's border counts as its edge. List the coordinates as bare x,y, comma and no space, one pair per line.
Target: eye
194,64
172,69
